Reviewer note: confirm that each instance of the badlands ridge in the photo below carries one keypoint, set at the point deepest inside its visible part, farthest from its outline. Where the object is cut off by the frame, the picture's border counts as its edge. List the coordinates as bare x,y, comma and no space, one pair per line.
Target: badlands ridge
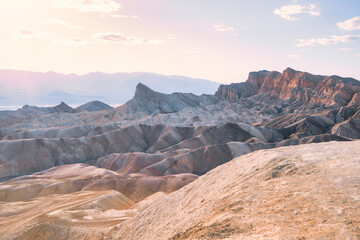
150,169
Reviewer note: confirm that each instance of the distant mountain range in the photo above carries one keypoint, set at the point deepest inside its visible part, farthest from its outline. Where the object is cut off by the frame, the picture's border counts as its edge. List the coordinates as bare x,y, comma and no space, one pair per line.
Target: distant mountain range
271,109
18,88
27,110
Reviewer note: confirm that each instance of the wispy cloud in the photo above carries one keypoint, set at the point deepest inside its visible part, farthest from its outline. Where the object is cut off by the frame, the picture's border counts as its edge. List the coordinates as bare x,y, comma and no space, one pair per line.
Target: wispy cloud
26,33
63,23
294,56
104,6
332,40
124,16
221,27
345,49
70,42
350,24
287,12
127,40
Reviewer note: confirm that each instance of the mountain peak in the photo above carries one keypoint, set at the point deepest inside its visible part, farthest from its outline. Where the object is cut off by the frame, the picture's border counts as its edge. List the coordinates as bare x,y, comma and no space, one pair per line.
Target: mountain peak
94,106
62,107
62,104
143,91
292,84
289,69
289,72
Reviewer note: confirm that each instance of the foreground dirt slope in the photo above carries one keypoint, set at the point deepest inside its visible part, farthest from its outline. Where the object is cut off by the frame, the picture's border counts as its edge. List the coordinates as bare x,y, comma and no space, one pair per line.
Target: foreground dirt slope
298,192
73,201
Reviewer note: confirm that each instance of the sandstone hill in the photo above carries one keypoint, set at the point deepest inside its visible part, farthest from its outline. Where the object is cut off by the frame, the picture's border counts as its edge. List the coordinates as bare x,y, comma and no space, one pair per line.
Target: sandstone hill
298,192
303,192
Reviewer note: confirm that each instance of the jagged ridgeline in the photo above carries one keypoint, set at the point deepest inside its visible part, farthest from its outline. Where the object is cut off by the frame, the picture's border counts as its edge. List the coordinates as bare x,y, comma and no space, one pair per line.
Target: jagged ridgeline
270,109
98,158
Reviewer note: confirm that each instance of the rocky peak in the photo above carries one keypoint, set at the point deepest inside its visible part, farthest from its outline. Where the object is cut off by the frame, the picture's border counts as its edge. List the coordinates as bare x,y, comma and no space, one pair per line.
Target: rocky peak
152,102
289,73
26,106
94,106
258,79
63,107
28,110
296,85
143,92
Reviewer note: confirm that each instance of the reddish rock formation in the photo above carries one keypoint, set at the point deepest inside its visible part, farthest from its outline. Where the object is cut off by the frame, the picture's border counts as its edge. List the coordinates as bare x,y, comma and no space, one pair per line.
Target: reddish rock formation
296,85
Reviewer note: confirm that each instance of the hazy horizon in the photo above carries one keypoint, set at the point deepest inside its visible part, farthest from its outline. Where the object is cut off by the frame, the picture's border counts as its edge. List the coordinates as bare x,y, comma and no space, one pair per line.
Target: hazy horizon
21,88
14,108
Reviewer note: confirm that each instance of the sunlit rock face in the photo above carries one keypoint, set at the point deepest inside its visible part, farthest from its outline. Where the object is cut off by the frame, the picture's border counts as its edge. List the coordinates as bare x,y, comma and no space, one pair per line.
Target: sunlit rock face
295,85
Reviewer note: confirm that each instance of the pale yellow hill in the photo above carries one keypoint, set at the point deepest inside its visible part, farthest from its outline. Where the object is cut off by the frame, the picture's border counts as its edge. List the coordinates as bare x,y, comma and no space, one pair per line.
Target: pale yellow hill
300,192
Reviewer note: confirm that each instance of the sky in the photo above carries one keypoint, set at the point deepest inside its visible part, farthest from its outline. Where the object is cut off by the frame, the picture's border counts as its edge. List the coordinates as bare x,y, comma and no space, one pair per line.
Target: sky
218,40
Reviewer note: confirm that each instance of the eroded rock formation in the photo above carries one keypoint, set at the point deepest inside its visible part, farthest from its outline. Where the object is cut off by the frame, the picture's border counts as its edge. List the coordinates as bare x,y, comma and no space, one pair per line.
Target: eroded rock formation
98,167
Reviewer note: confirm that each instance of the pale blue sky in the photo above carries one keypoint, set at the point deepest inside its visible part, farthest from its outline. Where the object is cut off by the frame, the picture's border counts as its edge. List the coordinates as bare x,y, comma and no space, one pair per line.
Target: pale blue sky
212,39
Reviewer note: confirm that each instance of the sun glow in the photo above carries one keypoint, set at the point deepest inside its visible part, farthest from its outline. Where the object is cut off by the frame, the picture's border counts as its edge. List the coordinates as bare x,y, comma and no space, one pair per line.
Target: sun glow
19,8
174,37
